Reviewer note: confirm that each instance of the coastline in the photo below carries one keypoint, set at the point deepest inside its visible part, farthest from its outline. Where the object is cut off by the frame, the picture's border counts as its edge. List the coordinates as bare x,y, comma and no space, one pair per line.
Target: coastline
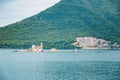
61,50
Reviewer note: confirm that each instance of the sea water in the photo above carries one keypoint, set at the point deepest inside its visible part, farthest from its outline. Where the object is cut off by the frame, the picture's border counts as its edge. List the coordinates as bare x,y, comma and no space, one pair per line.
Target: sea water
81,65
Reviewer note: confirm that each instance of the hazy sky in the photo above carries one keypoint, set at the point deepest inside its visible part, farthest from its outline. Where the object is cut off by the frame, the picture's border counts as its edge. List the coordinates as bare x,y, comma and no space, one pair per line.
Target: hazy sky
15,10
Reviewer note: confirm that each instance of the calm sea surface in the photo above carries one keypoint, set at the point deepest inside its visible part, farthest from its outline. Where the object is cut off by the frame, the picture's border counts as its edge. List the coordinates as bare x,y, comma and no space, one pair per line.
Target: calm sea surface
81,65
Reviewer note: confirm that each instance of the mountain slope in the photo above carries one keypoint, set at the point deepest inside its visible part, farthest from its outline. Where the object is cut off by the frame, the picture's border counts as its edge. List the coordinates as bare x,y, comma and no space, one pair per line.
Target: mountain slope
58,26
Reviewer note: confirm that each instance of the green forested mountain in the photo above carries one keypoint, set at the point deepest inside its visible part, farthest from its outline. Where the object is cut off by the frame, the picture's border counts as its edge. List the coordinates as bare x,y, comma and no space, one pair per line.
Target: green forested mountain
59,25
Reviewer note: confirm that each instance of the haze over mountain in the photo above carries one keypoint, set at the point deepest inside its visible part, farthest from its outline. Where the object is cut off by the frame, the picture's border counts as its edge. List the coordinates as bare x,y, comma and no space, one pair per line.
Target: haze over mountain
59,25
21,9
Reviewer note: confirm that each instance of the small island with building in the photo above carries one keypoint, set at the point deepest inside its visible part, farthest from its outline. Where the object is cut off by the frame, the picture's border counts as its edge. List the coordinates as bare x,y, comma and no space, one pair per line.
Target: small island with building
38,48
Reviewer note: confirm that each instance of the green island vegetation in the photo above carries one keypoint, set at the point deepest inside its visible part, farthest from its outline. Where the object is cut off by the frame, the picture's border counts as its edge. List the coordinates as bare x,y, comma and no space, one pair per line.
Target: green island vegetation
59,25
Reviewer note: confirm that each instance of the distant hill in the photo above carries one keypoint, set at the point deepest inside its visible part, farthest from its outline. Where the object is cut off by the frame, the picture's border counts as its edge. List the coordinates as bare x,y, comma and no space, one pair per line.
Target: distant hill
59,25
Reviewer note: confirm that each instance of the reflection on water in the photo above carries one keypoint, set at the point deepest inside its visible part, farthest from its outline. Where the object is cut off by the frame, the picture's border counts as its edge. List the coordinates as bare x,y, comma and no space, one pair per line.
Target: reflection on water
82,65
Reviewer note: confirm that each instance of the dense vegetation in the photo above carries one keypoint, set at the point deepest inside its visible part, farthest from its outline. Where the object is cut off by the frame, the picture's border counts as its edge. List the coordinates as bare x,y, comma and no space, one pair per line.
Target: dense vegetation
58,26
